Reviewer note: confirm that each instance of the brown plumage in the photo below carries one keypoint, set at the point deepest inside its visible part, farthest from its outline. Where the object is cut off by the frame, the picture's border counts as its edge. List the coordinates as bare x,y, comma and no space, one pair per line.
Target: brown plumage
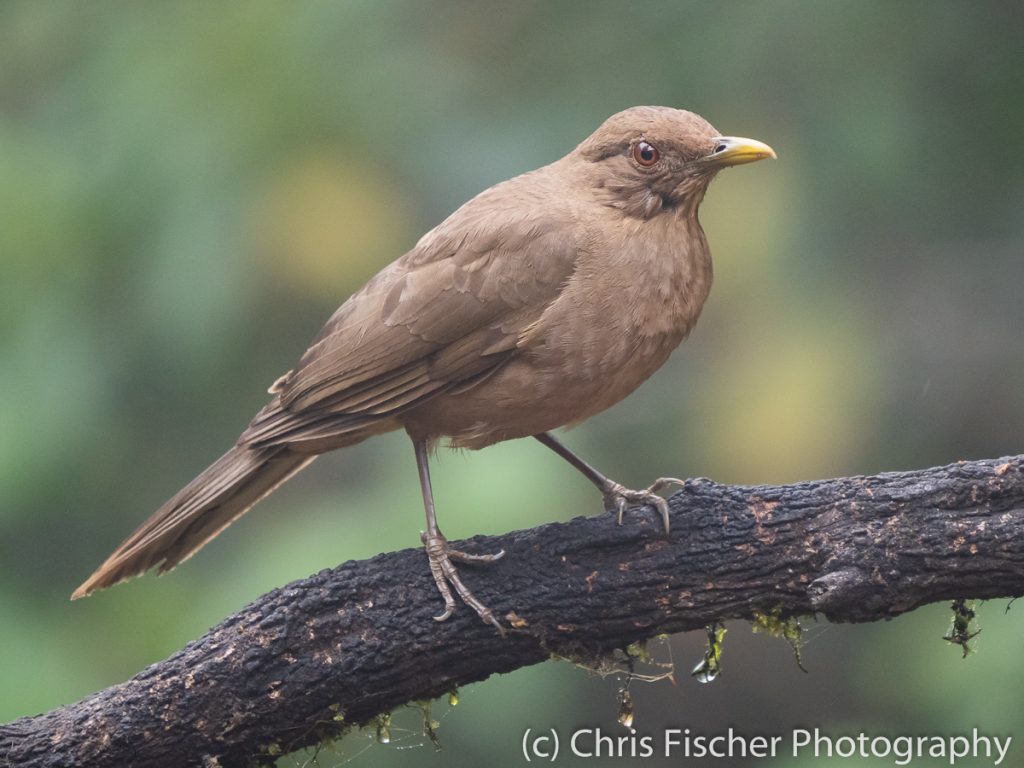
540,302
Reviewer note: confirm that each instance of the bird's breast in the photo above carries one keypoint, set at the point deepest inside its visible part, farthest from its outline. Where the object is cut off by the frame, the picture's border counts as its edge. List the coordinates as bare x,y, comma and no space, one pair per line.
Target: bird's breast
631,300
630,303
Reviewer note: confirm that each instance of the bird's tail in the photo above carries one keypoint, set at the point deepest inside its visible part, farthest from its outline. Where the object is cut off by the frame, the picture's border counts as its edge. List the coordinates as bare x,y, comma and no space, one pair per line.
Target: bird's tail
197,513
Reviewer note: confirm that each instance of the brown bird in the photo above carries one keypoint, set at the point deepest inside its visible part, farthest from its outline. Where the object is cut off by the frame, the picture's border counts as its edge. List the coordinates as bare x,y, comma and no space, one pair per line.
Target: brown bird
540,302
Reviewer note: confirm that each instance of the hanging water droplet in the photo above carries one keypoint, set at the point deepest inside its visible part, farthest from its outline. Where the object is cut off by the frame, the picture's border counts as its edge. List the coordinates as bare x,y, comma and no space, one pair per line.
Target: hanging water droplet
384,729
709,667
704,672
625,709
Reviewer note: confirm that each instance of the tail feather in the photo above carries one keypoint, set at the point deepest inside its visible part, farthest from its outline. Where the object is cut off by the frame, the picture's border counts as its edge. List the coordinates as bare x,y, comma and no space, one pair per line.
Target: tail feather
197,513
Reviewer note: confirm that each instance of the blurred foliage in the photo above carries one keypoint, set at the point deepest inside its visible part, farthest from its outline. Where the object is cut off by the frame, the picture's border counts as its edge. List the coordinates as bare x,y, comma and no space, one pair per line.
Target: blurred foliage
188,189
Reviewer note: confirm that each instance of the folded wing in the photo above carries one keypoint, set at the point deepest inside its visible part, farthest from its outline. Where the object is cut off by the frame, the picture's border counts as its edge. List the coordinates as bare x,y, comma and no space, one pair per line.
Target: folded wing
444,316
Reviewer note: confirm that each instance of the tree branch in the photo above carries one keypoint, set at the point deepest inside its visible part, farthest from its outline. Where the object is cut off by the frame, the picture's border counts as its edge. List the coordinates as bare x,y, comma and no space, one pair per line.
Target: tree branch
334,650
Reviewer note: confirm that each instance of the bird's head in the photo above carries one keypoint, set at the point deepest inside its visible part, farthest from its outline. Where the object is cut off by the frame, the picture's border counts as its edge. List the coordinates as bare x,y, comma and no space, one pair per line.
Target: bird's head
645,160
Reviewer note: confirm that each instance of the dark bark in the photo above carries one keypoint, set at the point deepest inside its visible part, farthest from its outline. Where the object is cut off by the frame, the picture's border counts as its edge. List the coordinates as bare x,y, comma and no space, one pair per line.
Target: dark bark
358,640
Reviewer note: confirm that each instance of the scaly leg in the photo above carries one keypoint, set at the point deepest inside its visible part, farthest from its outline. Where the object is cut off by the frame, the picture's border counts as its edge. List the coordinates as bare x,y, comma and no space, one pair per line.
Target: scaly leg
440,554
616,496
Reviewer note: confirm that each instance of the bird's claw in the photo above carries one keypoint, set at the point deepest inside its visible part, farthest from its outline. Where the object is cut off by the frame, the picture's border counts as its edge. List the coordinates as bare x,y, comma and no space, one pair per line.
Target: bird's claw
446,576
617,497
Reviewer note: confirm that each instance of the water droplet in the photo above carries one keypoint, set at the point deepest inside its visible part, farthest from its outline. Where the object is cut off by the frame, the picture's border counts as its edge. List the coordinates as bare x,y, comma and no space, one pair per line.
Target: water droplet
384,729
625,709
709,667
704,672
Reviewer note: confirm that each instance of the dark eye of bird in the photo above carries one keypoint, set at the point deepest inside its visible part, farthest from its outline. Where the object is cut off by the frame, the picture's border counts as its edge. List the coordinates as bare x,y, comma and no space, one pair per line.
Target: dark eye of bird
646,154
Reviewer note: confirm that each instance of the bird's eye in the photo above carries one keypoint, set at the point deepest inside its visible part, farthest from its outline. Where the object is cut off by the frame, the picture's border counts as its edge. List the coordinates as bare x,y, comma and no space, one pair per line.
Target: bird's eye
646,154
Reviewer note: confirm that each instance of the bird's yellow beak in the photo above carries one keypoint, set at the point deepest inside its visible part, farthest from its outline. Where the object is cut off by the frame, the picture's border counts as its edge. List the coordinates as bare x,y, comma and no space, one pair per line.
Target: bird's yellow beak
735,150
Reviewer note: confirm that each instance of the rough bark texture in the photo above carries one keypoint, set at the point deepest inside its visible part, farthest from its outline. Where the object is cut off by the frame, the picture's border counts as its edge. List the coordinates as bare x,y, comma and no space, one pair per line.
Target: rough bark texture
358,640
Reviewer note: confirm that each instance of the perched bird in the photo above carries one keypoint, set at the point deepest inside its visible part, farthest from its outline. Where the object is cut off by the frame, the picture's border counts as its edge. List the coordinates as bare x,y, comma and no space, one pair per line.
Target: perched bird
540,302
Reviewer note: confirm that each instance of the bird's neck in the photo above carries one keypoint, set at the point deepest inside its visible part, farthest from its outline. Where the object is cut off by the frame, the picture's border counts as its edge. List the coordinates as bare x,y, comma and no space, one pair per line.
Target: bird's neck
688,195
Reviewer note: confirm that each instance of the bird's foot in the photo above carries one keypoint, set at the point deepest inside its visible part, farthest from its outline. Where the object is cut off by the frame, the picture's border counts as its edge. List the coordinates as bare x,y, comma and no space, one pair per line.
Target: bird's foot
441,555
617,497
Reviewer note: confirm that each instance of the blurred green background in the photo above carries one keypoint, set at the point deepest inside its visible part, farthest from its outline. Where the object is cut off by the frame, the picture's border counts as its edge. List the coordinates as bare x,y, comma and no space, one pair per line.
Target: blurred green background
188,190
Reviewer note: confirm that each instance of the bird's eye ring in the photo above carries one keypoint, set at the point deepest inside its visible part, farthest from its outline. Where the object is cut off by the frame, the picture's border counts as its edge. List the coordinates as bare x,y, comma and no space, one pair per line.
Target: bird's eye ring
645,154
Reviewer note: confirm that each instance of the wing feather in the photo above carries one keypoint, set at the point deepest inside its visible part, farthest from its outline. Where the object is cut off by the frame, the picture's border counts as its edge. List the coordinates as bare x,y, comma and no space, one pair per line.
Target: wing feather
444,316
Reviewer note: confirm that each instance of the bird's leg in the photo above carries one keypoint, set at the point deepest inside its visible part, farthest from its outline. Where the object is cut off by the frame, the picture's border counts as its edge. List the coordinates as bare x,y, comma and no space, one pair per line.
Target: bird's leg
441,555
616,495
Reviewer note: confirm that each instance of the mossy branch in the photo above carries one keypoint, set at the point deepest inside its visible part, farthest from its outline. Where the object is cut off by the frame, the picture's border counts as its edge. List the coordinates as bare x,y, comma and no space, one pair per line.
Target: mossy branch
307,660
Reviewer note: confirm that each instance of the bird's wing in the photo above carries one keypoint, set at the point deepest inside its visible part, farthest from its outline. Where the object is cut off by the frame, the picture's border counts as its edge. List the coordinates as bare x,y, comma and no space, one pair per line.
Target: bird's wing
443,316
